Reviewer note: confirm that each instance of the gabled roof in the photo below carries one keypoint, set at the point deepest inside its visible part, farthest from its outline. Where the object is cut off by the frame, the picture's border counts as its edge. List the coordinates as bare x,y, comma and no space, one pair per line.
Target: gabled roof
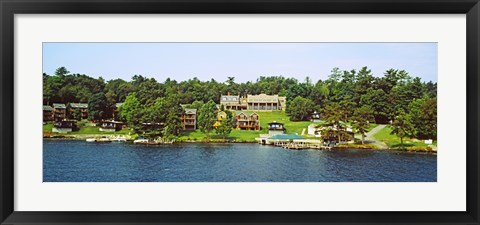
237,113
47,108
58,106
187,110
275,122
286,137
79,105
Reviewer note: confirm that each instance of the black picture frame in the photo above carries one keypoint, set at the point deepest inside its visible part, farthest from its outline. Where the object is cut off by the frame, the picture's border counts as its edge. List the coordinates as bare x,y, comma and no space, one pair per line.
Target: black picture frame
11,7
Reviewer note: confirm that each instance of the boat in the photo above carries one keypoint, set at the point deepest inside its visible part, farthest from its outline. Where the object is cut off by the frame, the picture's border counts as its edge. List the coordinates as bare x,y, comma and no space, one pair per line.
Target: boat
91,140
141,141
104,139
119,140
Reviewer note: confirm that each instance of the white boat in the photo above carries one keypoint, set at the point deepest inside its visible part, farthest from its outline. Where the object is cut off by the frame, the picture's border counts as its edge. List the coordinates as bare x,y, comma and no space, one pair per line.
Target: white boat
119,140
104,139
91,140
141,141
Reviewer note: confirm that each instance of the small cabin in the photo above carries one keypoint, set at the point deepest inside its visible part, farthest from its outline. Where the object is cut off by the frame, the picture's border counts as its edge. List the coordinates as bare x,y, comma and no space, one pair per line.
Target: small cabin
64,126
275,128
110,126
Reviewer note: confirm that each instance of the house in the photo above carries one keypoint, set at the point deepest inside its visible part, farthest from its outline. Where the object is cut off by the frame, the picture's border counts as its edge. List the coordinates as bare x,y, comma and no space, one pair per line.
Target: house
81,107
64,126
275,128
59,111
110,126
48,113
233,102
247,121
220,116
315,117
314,129
263,102
189,119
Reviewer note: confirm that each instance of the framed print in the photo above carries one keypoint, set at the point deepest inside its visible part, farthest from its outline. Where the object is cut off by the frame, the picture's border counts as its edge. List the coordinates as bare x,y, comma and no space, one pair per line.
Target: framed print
254,112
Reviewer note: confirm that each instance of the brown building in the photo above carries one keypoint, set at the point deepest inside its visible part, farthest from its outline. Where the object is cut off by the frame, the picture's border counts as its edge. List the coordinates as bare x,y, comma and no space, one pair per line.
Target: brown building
81,107
246,121
47,113
189,119
59,111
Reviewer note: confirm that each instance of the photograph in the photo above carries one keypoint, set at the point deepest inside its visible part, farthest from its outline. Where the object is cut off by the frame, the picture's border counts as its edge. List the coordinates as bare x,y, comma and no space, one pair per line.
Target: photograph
239,111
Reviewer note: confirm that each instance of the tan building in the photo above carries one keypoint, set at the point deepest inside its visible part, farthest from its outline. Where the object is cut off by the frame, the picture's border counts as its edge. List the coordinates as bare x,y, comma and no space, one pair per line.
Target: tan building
261,102
233,102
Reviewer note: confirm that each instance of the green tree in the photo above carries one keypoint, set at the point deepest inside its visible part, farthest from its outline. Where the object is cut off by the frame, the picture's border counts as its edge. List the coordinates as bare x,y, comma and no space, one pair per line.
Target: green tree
225,126
334,114
207,116
131,110
98,107
300,108
402,126
362,117
61,71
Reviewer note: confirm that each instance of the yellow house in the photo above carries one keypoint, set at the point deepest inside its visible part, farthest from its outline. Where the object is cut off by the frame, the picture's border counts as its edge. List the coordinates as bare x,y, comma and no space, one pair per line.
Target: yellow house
220,116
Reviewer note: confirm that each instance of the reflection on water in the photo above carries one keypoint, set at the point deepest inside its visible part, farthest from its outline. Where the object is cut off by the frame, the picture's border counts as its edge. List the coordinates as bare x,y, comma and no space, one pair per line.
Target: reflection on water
79,161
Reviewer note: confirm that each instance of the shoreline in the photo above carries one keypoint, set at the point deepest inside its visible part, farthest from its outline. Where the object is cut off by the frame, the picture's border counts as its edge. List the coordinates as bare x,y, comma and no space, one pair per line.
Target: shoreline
83,137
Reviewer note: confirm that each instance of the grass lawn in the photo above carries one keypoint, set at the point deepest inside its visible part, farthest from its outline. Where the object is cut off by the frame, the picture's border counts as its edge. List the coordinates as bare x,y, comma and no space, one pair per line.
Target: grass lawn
250,135
47,128
394,142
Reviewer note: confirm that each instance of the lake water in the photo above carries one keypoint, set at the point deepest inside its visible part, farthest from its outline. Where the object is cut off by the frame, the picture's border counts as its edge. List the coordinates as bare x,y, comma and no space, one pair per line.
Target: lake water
79,161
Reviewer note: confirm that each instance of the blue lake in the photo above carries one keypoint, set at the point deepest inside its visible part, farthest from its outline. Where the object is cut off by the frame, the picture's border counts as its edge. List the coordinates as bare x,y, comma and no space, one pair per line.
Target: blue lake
79,161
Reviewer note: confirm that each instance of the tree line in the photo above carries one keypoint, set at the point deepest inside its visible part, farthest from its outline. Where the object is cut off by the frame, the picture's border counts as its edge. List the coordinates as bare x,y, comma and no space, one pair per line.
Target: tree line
355,96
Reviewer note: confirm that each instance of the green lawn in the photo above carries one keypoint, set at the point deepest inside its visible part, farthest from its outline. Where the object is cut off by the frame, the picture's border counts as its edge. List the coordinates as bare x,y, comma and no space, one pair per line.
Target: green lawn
248,135
393,141
47,128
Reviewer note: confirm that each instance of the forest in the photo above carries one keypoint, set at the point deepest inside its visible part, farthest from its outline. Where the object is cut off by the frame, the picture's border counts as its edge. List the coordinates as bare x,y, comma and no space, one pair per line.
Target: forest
358,97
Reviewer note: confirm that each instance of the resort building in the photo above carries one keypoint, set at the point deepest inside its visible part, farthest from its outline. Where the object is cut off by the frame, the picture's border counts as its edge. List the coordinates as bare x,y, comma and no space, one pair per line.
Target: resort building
261,102
59,111
275,128
111,126
81,107
64,126
47,113
189,119
246,121
220,117
233,102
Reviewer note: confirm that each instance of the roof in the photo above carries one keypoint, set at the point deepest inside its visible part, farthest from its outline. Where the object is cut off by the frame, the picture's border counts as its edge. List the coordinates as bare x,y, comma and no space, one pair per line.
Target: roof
286,137
59,105
230,98
187,110
79,105
244,113
275,122
47,107
264,98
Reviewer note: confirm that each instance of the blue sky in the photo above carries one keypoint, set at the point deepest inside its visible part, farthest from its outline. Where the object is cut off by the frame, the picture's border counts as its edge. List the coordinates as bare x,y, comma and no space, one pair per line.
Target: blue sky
244,61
